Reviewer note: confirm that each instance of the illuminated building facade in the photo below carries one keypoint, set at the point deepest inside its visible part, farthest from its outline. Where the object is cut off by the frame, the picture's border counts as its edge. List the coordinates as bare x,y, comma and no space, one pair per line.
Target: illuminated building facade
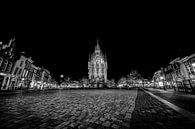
97,68
22,73
158,79
7,55
180,74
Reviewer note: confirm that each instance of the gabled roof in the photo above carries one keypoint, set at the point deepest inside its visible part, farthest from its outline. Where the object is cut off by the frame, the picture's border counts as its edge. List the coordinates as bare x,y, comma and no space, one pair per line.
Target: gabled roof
175,60
183,59
191,56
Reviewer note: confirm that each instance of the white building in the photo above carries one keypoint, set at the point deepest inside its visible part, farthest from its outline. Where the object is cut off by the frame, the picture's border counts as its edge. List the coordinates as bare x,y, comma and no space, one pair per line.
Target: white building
6,62
22,73
97,68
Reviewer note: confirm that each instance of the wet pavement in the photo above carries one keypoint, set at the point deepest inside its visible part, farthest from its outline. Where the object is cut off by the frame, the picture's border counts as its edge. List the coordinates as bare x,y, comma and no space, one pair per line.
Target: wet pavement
88,109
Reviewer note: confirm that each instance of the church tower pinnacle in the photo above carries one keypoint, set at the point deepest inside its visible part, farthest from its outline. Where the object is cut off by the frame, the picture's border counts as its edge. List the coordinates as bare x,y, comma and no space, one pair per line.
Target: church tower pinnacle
97,67
97,48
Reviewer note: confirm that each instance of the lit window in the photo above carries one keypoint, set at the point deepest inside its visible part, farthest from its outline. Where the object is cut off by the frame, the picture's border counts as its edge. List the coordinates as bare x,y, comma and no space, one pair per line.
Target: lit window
193,64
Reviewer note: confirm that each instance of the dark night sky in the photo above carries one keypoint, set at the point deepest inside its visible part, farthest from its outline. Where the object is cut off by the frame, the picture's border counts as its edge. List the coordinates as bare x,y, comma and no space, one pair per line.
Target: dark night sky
60,39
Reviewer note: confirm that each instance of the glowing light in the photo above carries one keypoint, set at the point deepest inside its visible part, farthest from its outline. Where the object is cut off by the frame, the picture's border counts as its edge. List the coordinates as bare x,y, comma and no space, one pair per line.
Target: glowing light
160,83
61,75
193,64
3,74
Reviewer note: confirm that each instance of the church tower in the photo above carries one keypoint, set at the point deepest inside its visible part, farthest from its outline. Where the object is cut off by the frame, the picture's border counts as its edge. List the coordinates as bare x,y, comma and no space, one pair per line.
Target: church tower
97,66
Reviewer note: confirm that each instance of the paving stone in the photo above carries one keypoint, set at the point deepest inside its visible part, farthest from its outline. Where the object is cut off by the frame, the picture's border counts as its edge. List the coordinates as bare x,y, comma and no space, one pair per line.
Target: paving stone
62,125
102,119
152,114
72,118
120,117
89,128
159,123
81,127
128,115
106,124
73,125
67,108
153,111
127,125
114,126
44,125
98,122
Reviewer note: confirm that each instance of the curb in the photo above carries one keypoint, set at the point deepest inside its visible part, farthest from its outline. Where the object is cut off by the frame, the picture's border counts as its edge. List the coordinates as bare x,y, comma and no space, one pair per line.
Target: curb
182,111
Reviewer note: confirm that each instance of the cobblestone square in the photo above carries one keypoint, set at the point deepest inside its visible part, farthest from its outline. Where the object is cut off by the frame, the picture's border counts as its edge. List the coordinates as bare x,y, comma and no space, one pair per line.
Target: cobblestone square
68,109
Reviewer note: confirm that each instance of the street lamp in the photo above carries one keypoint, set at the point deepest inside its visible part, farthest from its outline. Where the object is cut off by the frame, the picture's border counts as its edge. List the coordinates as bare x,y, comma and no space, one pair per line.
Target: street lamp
61,76
163,82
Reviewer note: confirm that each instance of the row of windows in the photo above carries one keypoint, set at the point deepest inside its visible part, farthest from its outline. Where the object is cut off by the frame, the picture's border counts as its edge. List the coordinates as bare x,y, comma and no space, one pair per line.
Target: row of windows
187,63
97,70
9,66
5,65
176,68
190,69
17,71
168,68
97,64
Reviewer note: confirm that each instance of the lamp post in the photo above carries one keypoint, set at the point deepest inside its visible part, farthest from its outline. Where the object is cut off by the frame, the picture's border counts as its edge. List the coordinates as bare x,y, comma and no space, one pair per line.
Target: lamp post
61,76
163,82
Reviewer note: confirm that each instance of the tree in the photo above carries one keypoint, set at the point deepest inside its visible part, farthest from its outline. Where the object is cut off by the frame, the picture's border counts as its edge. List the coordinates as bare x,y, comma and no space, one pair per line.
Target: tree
133,76
67,80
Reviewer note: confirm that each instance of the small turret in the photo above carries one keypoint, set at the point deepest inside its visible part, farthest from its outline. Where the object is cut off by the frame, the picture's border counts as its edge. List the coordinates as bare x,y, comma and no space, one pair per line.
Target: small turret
97,48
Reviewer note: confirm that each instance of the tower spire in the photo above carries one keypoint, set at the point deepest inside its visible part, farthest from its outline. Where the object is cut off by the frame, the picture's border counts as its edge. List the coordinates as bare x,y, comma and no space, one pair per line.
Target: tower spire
97,46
